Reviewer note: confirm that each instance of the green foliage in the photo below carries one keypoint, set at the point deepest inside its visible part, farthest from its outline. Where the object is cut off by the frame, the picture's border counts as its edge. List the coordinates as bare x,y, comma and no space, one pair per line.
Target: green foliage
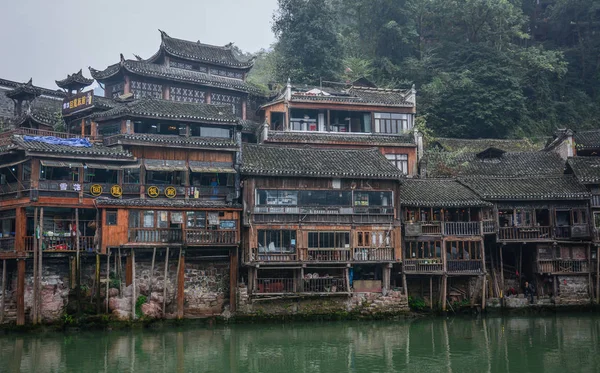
138,305
416,304
59,122
114,281
68,319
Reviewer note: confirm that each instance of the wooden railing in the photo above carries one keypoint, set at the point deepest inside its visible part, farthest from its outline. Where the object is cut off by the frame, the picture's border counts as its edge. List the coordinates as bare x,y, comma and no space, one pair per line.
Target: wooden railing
214,237
13,188
275,285
324,210
423,265
431,228
255,255
595,200
562,266
464,266
373,254
524,233
38,132
63,186
7,244
155,235
325,255
462,228
489,227
324,285
61,243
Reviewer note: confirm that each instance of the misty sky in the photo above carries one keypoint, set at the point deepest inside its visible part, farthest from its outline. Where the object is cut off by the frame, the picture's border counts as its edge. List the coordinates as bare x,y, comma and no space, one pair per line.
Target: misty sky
48,39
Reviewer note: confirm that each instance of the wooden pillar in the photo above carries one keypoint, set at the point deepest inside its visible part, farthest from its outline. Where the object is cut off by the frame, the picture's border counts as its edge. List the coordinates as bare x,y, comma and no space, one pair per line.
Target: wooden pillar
151,274
233,279
133,295
20,291
34,308
251,274
128,277
483,294
444,291
40,246
597,276
166,276
590,283
77,262
501,272
180,284
107,277
97,282
3,291
431,292
405,283
387,275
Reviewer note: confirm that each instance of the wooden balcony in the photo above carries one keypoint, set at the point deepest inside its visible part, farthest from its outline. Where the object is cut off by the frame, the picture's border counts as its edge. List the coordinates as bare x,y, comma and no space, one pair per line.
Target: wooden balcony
373,254
275,286
525,233
61,243
462,228
431,228
324,210
465,266
256,255
176,236
325,255
324,285
562,266
489,227
7,244
281,286
423,266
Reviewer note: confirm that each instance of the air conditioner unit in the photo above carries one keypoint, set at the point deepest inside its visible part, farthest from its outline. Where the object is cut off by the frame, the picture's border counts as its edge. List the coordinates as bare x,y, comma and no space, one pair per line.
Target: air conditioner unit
578,231
412,229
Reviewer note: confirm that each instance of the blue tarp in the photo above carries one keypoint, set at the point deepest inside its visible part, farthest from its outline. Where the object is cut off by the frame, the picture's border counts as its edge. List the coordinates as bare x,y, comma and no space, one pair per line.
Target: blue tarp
80,143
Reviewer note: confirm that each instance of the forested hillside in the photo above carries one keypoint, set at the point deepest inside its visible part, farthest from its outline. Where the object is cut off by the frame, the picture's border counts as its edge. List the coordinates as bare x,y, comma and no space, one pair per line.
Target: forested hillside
482,68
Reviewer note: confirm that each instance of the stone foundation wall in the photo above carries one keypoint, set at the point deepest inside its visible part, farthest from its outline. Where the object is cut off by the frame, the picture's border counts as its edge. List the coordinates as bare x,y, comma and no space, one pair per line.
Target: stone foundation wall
366,304
573,290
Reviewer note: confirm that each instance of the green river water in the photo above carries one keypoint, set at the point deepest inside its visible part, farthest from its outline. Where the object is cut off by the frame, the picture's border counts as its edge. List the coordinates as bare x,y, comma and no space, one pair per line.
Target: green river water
556,343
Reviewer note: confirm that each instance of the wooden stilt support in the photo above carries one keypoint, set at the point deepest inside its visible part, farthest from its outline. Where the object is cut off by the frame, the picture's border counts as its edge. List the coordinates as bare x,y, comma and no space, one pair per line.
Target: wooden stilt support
151,274
233,279
483,294
133,295
20,291
97,282
128,274
431,292
387,276
444,291
34,308
180,284
40,265
164,309
77,262
347,276
119,264
501,272
251,274
590,283
3,291
555,286
597,275
405,284
521,263
107,278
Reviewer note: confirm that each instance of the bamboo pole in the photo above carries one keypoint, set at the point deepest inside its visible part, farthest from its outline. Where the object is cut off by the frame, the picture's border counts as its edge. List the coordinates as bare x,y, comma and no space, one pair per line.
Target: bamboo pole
133,297
107,276
34,308
3,291
165,283
151,274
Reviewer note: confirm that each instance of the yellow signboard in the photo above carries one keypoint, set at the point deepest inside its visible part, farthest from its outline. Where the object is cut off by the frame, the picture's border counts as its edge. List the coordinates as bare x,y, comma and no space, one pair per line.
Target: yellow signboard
116,191
96,190
170,192
153,191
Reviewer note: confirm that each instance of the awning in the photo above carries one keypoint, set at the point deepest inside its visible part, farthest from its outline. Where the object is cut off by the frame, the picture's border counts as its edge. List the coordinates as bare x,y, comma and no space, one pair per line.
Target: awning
164,165
48,163
14,163
212,167
106,166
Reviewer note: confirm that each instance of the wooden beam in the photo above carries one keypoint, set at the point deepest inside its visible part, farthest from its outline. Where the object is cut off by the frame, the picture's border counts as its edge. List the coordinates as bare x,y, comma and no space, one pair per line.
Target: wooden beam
233,274
151,274
180,284
133,297
107,277
97,282
431,292
20,291
166,276
501,272
483,295
3,291
77,262
34,308
128,276
444,291
597,276
40,247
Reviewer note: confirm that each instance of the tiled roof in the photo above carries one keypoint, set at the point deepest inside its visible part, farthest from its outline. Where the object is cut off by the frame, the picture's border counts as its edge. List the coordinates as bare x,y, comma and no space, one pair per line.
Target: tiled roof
478,145
341,138
444,164
361,96
161,202
586,169
562,187
438,193
170,110
249,126
43,111
43,91
25,89
170,140
173,73
196,51
96,151
76,79
274,160
587,139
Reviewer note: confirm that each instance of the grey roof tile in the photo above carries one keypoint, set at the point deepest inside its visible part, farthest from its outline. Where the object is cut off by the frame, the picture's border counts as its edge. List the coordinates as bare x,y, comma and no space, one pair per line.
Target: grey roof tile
438,193
560,187
271,160
170,140
340,138
74,80
478,145
587,139
96,150
586,169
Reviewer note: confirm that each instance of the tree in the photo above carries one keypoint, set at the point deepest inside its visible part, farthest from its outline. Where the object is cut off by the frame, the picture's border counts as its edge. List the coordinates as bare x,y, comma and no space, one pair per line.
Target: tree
307,48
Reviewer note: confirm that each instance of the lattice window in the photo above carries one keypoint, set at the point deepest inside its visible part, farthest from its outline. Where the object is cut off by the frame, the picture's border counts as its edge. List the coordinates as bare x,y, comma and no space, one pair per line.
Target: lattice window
143,89
227,73
181,65
186,94
117,90
222,99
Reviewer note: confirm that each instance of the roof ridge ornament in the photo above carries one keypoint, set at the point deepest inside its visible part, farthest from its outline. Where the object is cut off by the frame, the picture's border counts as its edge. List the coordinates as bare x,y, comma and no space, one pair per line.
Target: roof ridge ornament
163,34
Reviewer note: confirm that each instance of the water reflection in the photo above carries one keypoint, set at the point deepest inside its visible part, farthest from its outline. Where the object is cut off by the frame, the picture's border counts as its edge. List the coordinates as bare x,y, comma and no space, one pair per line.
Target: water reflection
516,344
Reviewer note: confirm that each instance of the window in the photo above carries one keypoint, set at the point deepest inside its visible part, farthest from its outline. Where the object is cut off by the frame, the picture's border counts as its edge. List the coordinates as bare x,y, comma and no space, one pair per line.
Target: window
234,101
392,123
400,161
277,197
99,175
148,219
597,220
159,128
373,239
164,177
186,94
196,219
324,198
463,250
276,241
328,240
350,121
131,176
59,173
579,216
111,217
423,250
210,132
373,199
144,89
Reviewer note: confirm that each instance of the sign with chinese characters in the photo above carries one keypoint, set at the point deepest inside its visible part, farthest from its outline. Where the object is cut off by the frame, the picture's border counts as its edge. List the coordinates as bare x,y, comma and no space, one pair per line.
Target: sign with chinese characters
96,190
77,102
153,191
227,224
170,192
116,191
